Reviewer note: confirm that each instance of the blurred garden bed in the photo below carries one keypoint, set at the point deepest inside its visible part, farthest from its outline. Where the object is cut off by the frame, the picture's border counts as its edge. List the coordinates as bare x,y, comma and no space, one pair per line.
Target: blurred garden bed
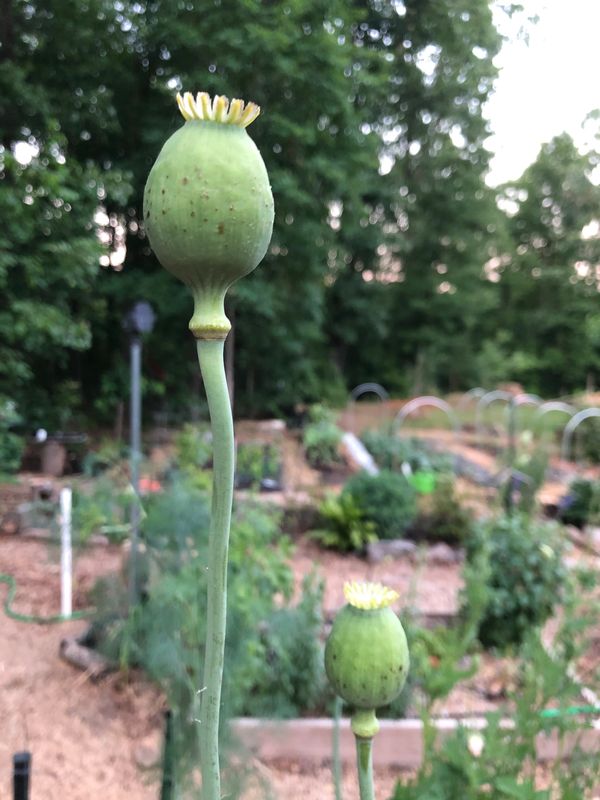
292,550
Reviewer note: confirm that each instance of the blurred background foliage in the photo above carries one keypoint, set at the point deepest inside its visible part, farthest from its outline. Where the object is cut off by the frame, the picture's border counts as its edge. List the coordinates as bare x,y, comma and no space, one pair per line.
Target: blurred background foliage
391,260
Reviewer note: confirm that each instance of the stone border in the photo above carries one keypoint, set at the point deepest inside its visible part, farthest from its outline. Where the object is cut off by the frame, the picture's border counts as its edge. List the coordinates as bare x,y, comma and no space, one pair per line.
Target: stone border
398,744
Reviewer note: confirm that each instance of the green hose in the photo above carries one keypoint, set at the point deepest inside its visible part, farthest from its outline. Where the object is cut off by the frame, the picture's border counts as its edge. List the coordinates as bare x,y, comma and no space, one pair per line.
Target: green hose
571,710
10,596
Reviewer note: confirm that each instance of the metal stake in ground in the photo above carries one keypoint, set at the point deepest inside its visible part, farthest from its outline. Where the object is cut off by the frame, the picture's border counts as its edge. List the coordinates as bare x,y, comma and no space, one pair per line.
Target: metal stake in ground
139,320
66,555
21,774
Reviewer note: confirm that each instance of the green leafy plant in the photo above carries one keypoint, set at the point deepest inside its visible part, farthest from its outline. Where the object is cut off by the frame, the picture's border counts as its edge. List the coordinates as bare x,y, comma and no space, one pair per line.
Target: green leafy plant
497,761
344,527
443,656
391,452
257,465
590,440
274,653
107,454
249,465
581,504
387,500
321,438
526,578
284,675
442,517
102,507
272,464
193,447
11,443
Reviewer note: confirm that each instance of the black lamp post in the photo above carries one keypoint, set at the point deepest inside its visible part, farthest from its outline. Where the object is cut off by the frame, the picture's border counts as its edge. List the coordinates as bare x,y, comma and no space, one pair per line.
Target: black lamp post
138,321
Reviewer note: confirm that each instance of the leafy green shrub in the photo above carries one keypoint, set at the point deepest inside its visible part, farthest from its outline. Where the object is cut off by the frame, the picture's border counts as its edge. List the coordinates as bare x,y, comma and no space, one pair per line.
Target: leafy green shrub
387,500
11,443
104,507
284,674
107,454
590,439
321,438
391,451
542,704
256,464
526,577
193,447
175,522
581,504
443,518
272,462
344,527
249,465
273,652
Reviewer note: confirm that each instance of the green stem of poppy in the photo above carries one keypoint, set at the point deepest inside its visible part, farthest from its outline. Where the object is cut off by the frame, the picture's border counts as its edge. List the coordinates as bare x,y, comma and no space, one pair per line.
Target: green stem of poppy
364,762
210,356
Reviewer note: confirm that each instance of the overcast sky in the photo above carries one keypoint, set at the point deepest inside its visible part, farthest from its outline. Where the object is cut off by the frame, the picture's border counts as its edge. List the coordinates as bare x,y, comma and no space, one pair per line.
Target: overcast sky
545,87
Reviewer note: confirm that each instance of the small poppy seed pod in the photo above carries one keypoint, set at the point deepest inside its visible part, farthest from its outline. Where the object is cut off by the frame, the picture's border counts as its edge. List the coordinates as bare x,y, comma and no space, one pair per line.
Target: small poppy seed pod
366,655
208,206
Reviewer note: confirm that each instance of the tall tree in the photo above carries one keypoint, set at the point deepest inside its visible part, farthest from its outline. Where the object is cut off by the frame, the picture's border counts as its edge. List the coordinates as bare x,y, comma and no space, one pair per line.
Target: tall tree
437,216
110,70
373,136
550,281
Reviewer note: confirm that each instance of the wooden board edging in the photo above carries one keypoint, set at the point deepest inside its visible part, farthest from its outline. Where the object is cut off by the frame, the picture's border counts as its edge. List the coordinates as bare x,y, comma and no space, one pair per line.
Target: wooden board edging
398,743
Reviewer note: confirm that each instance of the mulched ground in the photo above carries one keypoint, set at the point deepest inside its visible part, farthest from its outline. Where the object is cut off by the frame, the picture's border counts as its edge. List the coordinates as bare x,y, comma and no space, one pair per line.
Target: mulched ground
83,735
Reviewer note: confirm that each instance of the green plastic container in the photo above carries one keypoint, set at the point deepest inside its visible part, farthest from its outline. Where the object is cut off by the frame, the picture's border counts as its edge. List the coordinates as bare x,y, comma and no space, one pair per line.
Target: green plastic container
423,482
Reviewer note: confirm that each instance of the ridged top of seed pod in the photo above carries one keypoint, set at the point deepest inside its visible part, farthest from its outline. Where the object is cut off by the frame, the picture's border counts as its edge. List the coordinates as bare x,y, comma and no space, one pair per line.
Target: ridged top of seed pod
217,109
369,596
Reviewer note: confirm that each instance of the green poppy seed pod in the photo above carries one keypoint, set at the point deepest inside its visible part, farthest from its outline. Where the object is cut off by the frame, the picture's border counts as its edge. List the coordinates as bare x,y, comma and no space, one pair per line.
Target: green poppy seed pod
208,206
366,655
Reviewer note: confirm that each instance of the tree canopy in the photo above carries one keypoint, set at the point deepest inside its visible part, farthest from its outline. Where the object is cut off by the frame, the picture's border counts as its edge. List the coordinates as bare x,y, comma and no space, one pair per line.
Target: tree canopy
391,258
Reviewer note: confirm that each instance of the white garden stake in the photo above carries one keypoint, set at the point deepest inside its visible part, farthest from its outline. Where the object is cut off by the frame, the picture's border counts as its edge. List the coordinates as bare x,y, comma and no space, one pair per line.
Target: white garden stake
66,555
